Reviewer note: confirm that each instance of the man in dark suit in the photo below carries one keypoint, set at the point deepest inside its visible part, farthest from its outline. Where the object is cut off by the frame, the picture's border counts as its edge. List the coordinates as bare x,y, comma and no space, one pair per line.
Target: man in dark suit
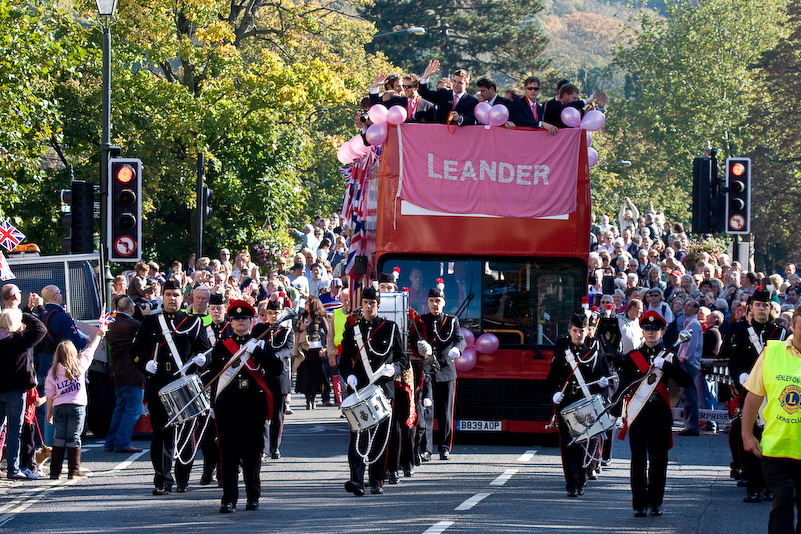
128,380
454,105
488,91
418,109
569,98
526,112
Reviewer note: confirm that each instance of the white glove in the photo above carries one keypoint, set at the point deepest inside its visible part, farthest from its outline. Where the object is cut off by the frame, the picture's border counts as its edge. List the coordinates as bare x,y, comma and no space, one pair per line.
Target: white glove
454,353
427,403
352,382
151,367
558,397
613,419
251,345
659,361
387,370
211,413
603,381
424,348
743,378
199,360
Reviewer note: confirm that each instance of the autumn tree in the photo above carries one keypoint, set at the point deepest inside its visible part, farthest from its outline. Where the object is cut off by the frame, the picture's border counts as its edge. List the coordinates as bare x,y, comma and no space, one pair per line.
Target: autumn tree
690,80
262,88
481,36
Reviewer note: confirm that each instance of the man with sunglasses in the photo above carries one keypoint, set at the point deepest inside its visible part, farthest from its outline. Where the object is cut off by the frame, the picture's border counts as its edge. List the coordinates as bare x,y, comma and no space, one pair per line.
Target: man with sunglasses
525,111
418,109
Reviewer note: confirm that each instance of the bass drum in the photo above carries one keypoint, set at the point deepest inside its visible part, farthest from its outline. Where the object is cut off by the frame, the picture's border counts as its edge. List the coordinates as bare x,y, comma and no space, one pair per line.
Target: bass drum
395,307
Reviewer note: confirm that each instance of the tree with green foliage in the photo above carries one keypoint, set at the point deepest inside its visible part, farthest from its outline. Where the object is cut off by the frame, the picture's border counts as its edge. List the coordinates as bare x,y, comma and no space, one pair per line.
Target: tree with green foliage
690,80
775,149
481,36
265,89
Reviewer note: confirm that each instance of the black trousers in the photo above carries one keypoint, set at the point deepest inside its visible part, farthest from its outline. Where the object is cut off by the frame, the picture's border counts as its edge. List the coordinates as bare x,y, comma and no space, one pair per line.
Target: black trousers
444,398
401,441
356,462
425,419
572,459
162,446
241,440
211,452
783,477
274,427
753,467
649,443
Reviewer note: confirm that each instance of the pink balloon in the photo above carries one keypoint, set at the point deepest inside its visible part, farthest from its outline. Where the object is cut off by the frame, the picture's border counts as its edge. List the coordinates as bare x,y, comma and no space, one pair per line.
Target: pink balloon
344,155
467,360
571,117
481,112
377,133
592,156
377,113
357,145
468,336
349,150
487,343
589,139
396,115
498,115
593,120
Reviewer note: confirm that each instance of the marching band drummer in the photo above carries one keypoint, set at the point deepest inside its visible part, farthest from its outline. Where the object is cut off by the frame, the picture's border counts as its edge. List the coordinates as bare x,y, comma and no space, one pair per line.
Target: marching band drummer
280,340
381,348
164,343
578,370
650,435
219,328
242,403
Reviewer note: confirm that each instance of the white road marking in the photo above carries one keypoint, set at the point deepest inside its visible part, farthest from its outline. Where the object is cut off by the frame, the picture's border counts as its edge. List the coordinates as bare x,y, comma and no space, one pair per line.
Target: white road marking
472,501
527,456
438,528
130,460
91,445
28,498
504,478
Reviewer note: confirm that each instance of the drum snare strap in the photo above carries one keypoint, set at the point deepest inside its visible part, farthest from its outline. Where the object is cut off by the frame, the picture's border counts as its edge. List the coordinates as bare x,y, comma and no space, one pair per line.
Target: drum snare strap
577,372
165,331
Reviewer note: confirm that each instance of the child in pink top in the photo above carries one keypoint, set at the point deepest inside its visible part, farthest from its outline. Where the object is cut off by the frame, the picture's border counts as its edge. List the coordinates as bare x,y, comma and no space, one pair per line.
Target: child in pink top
66,404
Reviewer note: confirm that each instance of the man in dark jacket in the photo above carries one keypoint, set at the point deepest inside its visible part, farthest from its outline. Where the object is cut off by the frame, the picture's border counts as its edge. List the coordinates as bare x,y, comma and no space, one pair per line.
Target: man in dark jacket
128,380
16,376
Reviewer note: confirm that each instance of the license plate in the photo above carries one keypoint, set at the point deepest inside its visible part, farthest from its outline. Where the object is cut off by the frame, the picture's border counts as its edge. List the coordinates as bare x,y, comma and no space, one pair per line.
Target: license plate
479,426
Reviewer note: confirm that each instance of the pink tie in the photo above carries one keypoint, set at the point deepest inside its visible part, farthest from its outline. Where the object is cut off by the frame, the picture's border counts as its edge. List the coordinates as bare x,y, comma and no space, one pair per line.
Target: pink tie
455,100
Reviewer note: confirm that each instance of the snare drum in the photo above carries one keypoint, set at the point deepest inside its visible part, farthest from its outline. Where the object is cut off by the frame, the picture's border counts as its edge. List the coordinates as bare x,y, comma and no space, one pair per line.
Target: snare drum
181,393
366,408
586,418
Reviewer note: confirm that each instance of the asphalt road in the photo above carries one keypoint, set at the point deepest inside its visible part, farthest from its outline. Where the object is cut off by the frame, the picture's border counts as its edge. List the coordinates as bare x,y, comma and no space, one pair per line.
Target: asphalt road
497,485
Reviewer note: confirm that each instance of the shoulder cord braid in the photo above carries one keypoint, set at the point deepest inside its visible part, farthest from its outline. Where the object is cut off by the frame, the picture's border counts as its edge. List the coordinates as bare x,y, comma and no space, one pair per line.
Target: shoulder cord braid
389,345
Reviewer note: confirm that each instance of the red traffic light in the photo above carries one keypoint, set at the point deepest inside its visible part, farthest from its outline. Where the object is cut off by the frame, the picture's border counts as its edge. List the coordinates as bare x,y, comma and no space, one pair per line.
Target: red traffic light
738,169
125,174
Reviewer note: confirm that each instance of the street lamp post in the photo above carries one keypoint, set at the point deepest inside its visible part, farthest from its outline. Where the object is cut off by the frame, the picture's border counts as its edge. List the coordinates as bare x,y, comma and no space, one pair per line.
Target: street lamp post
105,8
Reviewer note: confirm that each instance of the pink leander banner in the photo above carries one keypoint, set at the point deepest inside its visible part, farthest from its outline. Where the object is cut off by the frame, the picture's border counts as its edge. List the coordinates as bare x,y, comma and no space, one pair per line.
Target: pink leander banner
508,173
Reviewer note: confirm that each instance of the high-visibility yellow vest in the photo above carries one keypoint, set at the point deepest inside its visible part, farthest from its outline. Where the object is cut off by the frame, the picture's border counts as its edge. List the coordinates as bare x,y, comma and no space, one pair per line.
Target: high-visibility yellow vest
781,375
340,318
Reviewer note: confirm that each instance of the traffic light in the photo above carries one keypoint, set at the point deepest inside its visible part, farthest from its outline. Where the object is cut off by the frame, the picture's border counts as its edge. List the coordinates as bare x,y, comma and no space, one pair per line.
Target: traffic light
80,219
206,208
124,210
738,197
707,208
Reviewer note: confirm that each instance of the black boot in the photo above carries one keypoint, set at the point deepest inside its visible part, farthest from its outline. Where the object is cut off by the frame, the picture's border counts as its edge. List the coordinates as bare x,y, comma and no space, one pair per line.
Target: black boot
57,462
74,463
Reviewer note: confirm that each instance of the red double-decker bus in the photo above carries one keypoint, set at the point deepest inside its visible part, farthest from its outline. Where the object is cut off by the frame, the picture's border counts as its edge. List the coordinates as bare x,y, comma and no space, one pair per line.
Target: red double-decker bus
516,277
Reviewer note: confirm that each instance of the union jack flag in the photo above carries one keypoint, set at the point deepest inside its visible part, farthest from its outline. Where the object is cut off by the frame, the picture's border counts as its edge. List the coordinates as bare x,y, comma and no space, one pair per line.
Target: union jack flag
10,237
105,319
5,270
